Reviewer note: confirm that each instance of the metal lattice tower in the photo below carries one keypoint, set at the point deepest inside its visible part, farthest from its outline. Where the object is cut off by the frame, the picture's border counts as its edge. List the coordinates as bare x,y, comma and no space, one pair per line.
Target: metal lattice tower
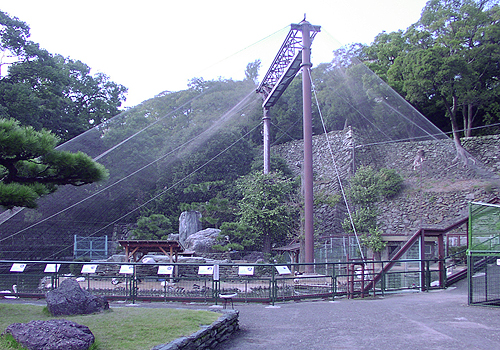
295,53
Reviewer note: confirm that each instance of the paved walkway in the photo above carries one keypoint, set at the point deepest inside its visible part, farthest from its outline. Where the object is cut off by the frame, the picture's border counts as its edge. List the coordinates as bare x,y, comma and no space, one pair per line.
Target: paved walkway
435,320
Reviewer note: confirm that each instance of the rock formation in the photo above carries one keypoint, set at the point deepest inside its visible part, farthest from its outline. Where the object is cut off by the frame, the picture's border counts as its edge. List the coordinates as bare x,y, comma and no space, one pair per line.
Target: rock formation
57,334
202,241
189,223
71,299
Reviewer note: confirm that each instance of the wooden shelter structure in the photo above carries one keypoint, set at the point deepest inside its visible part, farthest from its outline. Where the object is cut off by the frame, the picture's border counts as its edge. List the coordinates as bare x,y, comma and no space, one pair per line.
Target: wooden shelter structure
136,249
293,249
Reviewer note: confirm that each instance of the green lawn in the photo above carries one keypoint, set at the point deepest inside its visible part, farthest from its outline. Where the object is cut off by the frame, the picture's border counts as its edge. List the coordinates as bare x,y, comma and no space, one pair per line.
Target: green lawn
120,328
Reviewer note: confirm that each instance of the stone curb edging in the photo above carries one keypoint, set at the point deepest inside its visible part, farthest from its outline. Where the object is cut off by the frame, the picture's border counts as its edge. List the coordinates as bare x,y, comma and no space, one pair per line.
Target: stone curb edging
208,337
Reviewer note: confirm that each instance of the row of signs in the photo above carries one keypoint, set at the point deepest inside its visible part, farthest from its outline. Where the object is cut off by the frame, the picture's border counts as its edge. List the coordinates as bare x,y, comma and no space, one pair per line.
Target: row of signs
162,270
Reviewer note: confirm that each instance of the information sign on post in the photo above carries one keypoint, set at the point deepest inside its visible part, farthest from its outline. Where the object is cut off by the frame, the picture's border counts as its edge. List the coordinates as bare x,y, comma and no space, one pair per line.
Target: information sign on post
283,270
245,270
165,270
205,270
52,268
127,269
17,267
89,268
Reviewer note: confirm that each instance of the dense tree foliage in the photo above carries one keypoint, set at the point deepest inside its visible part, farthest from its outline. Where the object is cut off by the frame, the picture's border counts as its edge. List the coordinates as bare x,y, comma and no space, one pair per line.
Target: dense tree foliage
199,145
268,212
31,168
153,227
447,63
49,91
204,179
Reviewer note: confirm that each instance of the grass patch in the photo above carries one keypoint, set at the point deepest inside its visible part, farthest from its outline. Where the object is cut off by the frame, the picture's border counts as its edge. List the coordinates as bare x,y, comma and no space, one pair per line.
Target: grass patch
8,342
118,328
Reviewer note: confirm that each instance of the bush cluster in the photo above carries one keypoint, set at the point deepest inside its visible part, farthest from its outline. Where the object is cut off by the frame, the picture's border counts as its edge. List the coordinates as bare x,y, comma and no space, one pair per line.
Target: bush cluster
367,188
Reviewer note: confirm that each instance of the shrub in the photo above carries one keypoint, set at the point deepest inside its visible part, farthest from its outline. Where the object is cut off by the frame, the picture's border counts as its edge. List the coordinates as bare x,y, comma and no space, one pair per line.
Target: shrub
390,182
368,187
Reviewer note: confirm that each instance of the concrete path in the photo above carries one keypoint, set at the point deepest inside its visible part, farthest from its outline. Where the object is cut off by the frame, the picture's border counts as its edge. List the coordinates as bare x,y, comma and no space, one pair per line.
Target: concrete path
434,320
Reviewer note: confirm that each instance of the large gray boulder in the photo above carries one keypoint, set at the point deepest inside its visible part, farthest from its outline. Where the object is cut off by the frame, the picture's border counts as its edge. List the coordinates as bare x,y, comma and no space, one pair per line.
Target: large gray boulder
71,299
57,334
189,223
202,241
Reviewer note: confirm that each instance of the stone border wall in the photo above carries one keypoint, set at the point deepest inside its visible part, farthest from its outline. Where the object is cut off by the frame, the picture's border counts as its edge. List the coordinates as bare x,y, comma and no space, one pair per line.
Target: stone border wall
208,337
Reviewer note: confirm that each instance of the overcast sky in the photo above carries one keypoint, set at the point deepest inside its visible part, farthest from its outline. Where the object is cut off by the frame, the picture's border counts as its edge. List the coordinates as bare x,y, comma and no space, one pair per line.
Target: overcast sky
152,46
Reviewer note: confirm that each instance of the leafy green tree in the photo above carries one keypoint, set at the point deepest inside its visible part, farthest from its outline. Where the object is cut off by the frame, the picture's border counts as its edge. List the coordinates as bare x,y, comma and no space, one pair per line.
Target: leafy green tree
236,236
195,160
330,90
252,70
373,240
384,51
449,57
153,227
445,64
390,182
30,167
49,91
346,91
267,212
14,35
214,211
364,186
368,186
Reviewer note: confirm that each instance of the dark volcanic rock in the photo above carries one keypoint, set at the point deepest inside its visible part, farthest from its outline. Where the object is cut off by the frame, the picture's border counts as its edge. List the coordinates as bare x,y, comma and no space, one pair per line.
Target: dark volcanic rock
71,299
52,335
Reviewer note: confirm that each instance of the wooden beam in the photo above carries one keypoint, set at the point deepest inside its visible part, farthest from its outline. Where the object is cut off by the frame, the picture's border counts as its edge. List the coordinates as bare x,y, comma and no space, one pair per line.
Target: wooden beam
133,253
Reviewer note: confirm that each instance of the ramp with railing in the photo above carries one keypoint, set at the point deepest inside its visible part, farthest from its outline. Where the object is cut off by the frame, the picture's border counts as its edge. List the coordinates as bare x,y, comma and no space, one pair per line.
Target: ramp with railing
419,237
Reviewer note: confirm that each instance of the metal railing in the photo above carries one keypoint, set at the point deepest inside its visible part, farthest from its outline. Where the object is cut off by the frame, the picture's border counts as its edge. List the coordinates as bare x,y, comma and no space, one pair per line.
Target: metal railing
265,283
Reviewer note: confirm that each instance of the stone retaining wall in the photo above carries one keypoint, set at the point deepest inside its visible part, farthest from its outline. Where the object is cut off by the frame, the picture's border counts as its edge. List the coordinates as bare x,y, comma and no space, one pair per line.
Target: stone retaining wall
328,219
208,337
435,194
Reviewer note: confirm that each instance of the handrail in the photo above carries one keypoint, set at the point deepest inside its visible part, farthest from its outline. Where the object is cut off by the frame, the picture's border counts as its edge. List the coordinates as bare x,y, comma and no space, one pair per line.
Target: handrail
393,260
421,232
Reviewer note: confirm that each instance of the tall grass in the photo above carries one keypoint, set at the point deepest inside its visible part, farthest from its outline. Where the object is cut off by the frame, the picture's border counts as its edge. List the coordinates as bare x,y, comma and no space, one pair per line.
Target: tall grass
120,328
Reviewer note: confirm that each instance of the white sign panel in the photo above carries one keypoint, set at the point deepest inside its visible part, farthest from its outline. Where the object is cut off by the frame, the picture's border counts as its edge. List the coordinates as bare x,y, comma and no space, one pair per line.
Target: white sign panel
127,269
498,262
205,270
17,267
165,270
89,268
52,268
245,270
283,270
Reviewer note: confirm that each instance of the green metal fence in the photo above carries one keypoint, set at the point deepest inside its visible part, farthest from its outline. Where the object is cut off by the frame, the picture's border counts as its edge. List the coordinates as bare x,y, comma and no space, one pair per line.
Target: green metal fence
266,283
483,254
